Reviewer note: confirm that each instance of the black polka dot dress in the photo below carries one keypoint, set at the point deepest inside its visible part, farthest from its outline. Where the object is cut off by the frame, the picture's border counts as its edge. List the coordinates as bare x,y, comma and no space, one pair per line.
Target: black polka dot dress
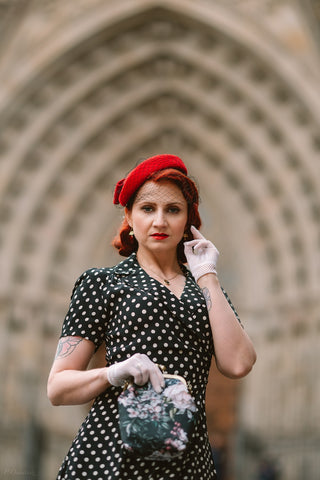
134,313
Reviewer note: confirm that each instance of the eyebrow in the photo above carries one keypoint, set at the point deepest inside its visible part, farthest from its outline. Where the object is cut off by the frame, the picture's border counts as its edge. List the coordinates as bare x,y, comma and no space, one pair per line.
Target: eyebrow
152,202
144,197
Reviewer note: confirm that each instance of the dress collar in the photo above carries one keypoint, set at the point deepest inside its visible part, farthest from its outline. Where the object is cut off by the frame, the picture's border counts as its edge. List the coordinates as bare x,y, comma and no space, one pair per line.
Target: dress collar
131,265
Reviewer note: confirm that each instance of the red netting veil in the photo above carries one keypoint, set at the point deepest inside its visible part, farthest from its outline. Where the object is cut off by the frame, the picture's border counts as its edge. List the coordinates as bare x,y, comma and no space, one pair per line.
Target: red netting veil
157,169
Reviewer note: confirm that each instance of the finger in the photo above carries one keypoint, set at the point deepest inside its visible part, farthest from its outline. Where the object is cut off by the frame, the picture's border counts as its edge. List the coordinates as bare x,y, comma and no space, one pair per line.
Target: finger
197,245
139,376
142,367
191,243
141,372
157,380
200,246
195,232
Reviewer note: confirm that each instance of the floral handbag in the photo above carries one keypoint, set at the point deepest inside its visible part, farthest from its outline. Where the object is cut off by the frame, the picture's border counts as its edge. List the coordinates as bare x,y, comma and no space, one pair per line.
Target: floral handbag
155,425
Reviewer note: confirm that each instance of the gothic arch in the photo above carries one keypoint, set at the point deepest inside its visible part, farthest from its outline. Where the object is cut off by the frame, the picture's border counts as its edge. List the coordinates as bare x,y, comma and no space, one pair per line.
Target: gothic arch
233,104
126,80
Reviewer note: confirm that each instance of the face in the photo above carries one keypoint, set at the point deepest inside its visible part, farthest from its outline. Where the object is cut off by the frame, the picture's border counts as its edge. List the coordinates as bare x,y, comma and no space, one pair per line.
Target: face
158,216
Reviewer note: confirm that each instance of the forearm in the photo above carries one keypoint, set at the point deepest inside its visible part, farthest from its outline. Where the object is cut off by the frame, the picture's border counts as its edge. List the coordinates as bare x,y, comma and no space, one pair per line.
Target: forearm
76,387
234,351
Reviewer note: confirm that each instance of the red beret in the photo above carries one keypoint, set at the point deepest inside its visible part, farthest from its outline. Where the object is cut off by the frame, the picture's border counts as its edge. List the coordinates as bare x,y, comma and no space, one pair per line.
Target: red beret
126,187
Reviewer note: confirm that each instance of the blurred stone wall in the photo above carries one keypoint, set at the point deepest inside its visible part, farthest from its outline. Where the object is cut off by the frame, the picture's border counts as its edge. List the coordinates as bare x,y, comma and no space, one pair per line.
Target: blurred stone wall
89,88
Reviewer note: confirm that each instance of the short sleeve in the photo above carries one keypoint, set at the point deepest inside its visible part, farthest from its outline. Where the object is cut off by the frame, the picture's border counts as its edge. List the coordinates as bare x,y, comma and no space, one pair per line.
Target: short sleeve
231,305
87,315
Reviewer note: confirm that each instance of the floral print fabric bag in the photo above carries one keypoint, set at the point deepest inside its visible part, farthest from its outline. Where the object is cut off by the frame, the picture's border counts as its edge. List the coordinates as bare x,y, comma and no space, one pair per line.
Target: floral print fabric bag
155,425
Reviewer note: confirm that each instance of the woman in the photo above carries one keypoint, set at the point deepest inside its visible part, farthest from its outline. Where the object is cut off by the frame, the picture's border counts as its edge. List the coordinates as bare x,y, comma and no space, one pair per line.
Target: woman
149,309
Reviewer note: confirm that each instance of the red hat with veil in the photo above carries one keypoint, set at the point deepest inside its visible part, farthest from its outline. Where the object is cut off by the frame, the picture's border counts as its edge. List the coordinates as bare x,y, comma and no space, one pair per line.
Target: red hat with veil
126,187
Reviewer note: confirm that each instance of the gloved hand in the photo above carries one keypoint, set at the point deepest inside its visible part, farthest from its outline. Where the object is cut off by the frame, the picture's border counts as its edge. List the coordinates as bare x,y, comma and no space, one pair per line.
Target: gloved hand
139,368
201,255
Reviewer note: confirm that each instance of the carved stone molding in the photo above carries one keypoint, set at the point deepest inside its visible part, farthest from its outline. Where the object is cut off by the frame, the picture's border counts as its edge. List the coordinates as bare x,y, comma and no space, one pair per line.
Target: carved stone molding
242,117
112,84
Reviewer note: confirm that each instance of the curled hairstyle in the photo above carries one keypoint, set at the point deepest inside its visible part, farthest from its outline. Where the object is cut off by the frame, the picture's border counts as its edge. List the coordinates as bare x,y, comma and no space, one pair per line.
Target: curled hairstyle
127,244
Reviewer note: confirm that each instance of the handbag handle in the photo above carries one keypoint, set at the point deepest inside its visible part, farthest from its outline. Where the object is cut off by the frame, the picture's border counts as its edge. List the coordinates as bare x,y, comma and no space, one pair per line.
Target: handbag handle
166,375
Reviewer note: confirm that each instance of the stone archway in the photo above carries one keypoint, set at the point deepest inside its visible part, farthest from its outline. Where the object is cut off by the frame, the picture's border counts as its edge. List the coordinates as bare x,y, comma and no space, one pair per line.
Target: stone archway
132,80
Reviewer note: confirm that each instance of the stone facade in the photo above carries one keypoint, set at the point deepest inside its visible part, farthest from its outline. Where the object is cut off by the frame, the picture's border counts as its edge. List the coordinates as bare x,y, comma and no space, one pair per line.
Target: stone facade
90,87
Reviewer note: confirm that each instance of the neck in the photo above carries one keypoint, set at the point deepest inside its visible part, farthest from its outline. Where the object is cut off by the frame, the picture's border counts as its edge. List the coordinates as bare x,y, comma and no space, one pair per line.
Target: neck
165,263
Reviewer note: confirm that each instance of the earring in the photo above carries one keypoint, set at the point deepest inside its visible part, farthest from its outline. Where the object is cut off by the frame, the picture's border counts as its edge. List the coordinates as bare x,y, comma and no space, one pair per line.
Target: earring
185,235
131,233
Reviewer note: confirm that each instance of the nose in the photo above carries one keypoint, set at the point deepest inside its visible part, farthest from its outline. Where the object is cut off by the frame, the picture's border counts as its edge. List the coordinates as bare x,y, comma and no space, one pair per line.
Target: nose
159,219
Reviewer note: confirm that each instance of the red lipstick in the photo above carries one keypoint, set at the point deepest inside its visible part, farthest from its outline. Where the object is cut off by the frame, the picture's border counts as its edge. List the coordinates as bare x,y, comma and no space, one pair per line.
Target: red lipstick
160,236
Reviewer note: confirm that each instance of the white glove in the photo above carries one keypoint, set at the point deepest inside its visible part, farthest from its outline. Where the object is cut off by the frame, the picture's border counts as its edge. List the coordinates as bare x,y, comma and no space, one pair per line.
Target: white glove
138,368
201,254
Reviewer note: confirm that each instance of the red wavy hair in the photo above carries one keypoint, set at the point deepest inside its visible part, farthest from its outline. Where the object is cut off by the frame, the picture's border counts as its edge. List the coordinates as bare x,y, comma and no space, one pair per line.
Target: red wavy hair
127,244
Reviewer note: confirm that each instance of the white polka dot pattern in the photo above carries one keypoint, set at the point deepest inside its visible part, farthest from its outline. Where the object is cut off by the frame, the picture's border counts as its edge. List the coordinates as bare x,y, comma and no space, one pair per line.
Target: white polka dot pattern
134,313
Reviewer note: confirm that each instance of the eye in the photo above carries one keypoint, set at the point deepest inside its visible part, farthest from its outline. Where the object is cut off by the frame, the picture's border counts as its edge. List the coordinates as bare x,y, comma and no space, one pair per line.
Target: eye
173,209
147,208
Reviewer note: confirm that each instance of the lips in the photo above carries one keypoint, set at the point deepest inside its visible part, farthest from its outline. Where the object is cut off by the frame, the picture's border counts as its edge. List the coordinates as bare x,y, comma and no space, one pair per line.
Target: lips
159,236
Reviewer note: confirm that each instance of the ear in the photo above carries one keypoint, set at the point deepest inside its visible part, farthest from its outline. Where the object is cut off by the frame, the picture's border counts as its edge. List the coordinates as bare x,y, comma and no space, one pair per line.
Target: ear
127,214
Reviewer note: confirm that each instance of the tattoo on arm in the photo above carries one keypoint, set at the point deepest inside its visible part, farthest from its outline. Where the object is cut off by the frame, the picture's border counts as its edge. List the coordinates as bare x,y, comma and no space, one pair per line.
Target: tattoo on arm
66,346
207,298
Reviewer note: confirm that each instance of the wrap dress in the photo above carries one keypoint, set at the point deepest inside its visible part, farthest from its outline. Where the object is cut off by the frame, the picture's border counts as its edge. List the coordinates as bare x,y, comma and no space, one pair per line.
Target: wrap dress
134,313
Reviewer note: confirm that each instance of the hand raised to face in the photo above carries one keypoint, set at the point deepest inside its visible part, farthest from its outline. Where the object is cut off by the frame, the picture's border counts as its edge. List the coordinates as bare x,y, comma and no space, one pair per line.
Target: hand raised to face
201,254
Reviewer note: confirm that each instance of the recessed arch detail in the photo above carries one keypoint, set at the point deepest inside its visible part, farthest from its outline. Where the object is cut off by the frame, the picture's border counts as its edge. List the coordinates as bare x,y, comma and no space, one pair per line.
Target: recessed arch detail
127,80
228,88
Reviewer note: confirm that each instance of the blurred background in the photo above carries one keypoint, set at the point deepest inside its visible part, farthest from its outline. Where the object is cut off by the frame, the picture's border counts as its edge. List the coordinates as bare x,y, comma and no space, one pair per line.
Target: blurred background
88,88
